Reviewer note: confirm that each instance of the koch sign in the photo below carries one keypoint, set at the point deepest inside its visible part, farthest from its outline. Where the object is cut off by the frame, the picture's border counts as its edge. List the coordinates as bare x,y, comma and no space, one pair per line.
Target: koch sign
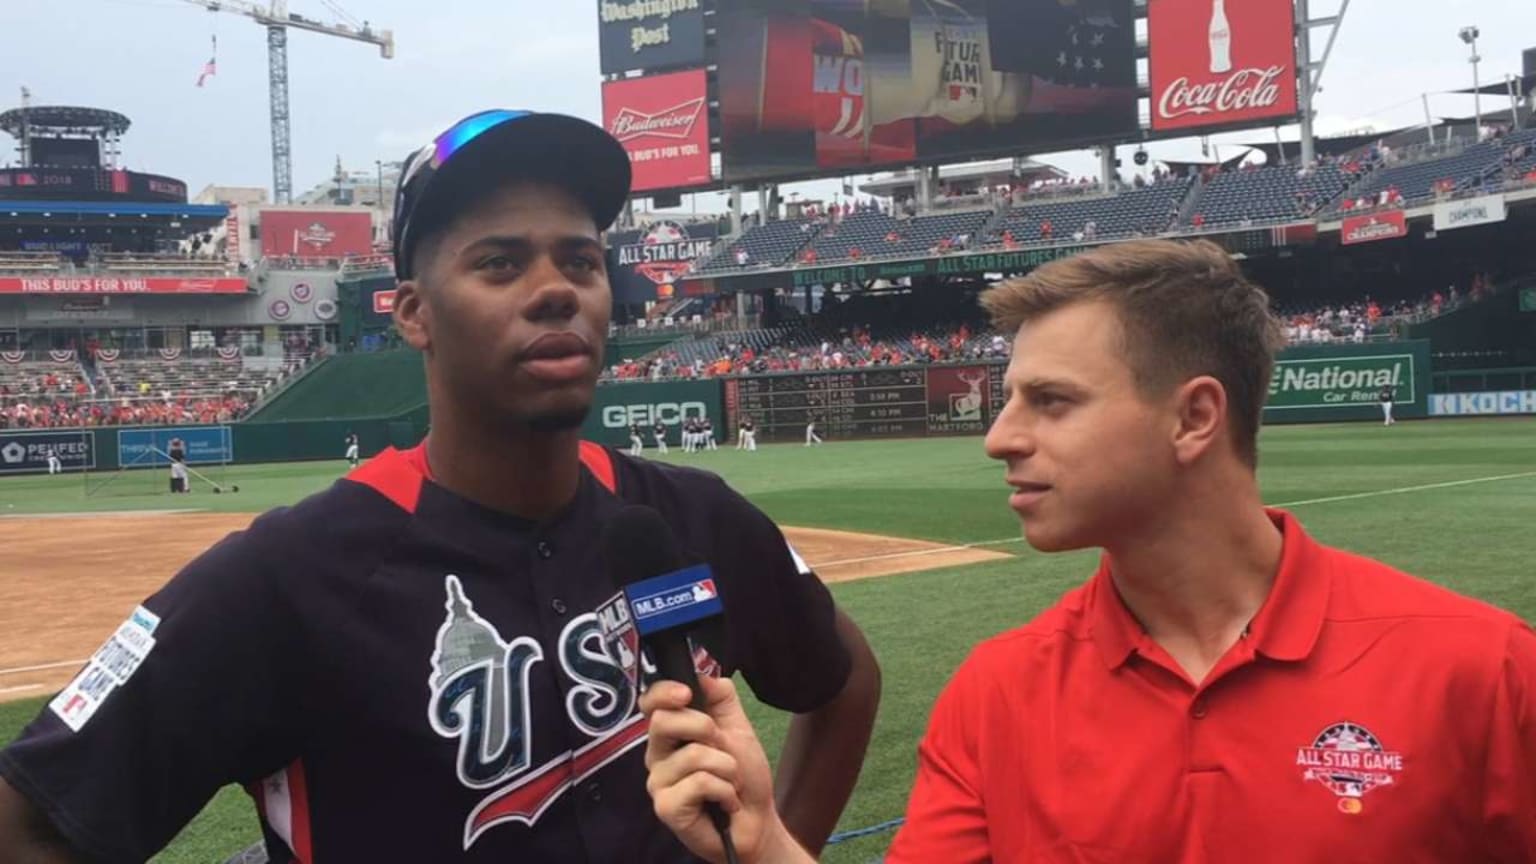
1477,404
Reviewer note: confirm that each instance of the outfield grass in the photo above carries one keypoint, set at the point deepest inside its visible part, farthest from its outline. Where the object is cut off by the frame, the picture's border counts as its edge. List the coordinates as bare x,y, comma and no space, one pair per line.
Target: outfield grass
1472,537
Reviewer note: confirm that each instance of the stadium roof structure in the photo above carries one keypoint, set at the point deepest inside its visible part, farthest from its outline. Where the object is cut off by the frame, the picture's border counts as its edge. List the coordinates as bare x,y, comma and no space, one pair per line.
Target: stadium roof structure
63,120
107,213
996,171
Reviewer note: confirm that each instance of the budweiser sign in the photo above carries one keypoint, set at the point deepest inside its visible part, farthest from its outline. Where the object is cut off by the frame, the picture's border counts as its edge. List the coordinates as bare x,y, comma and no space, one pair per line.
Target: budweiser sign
675,122
661,121
105,285
1243,90
1211,65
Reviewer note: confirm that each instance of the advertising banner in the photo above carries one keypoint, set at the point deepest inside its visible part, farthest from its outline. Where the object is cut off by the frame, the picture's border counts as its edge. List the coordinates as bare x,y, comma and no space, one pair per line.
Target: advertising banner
1320,383
649,34
650,262
23,452
315,234
113,285
1218,63
1377,226
616,406
663,124
204,445
89,184
1473,211
1478,404
384,302
1528,299
958,399
827,86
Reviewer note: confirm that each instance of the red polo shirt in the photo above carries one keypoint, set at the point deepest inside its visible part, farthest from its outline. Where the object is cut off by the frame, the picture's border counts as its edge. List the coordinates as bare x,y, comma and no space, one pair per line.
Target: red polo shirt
1367,716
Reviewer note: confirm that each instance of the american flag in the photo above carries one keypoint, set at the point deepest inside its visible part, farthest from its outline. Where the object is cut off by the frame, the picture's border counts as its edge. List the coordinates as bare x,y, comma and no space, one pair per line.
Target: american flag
209,69
1087,46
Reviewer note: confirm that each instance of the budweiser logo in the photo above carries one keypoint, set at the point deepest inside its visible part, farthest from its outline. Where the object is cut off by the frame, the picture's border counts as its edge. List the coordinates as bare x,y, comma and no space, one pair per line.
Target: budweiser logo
1243,90
674,122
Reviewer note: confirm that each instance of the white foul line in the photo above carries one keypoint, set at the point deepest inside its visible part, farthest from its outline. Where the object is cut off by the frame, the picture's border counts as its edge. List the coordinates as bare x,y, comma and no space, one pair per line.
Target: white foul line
59,665
18,689
1405,489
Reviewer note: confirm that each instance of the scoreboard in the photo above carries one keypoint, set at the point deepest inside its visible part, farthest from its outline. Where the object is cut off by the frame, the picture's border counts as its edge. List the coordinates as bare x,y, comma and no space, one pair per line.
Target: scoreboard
867,403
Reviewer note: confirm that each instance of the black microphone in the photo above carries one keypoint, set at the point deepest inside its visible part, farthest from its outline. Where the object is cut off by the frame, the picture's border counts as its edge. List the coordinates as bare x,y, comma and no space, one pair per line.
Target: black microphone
661,599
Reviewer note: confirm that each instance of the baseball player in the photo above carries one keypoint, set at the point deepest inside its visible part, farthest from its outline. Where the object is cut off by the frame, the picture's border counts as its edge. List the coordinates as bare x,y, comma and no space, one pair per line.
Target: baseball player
1388,394
746,435
811,437
659,435
689,430
707,434
54,465
352,449
408,666
636,445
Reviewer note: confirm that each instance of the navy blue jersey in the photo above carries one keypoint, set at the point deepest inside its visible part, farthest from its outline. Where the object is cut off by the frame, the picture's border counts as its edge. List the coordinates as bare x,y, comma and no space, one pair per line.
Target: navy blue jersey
396,673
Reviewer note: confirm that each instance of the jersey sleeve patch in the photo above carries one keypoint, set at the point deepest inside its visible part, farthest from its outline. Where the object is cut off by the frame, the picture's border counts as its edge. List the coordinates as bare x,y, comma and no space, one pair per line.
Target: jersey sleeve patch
109,668
804,568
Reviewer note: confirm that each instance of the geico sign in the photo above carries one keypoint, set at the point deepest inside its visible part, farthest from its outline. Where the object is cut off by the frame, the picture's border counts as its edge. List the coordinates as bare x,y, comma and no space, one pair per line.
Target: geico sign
665,413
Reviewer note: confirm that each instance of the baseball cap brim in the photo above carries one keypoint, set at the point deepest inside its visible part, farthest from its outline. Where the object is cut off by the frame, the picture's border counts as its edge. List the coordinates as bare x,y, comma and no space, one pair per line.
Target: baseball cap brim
564,151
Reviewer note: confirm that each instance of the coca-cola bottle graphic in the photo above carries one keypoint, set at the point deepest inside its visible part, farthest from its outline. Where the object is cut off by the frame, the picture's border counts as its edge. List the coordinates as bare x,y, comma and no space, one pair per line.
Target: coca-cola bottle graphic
1221,39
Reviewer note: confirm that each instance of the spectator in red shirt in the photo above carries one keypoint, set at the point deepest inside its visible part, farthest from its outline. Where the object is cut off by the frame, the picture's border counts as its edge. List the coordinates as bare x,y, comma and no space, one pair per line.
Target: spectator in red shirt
1224,688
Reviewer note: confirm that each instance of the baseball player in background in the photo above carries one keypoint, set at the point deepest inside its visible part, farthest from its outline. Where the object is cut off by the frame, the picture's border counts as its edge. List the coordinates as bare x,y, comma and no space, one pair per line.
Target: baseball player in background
54,465
690,434
810,432
707,434
352,457
746,435
1388,395
659,435
408,666
636,445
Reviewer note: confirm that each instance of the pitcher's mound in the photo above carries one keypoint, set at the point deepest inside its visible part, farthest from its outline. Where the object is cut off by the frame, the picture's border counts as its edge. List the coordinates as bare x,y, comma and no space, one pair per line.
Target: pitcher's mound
841,556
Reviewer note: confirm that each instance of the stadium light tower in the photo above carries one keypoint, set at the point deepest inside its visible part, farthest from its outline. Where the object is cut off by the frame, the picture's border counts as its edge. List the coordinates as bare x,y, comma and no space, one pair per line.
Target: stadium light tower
277,19
1469,35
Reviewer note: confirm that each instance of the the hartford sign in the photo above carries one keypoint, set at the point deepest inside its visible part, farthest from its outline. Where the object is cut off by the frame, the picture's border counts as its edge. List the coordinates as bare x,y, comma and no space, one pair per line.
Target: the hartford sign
111,285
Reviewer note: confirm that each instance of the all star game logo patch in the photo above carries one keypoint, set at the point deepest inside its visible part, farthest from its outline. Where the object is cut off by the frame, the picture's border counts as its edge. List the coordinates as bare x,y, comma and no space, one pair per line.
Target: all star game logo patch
1350,761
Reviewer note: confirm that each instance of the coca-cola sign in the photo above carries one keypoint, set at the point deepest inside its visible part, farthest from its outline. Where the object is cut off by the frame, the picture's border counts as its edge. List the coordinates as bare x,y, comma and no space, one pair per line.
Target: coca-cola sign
1215,64
661,122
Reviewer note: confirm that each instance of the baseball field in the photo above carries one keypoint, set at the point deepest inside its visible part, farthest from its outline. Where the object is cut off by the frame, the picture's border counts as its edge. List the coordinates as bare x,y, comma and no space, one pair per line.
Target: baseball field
915,537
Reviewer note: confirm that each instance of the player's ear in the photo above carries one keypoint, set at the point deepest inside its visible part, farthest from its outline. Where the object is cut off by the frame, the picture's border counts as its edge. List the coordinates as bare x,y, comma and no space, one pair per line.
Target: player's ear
412,317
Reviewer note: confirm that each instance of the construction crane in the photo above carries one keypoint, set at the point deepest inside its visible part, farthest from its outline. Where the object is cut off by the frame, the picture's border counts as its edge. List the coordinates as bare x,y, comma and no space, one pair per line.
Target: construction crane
277,19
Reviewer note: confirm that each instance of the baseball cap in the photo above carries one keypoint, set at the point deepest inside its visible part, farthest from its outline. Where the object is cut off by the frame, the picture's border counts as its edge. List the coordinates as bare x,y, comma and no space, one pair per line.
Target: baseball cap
498,145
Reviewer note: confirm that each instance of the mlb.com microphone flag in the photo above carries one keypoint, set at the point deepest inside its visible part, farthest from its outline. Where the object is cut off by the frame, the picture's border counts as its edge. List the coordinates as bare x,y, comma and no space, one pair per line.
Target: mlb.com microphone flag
651,606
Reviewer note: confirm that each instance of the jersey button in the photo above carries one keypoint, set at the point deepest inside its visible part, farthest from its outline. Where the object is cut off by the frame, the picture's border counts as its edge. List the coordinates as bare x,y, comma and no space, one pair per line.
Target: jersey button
1198,710
595,793
545,551
558,605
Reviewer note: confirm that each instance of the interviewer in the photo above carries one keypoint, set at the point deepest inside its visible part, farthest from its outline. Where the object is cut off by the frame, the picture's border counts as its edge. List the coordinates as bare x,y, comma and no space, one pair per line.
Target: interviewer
1224,688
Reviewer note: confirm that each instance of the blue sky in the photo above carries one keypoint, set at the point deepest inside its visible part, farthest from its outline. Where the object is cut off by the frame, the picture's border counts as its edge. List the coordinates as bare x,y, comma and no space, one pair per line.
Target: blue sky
454,57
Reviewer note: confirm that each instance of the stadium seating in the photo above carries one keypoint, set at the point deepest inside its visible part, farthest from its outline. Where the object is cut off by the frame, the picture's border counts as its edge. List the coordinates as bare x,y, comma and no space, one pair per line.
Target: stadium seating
1473,168
876,235
1127,213
133,262
766,245
25,263
133,391
1268,193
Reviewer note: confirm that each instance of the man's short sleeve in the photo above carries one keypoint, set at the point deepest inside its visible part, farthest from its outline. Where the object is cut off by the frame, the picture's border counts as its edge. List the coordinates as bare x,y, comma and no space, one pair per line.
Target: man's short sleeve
946,820
1509,801
186,696
780,618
